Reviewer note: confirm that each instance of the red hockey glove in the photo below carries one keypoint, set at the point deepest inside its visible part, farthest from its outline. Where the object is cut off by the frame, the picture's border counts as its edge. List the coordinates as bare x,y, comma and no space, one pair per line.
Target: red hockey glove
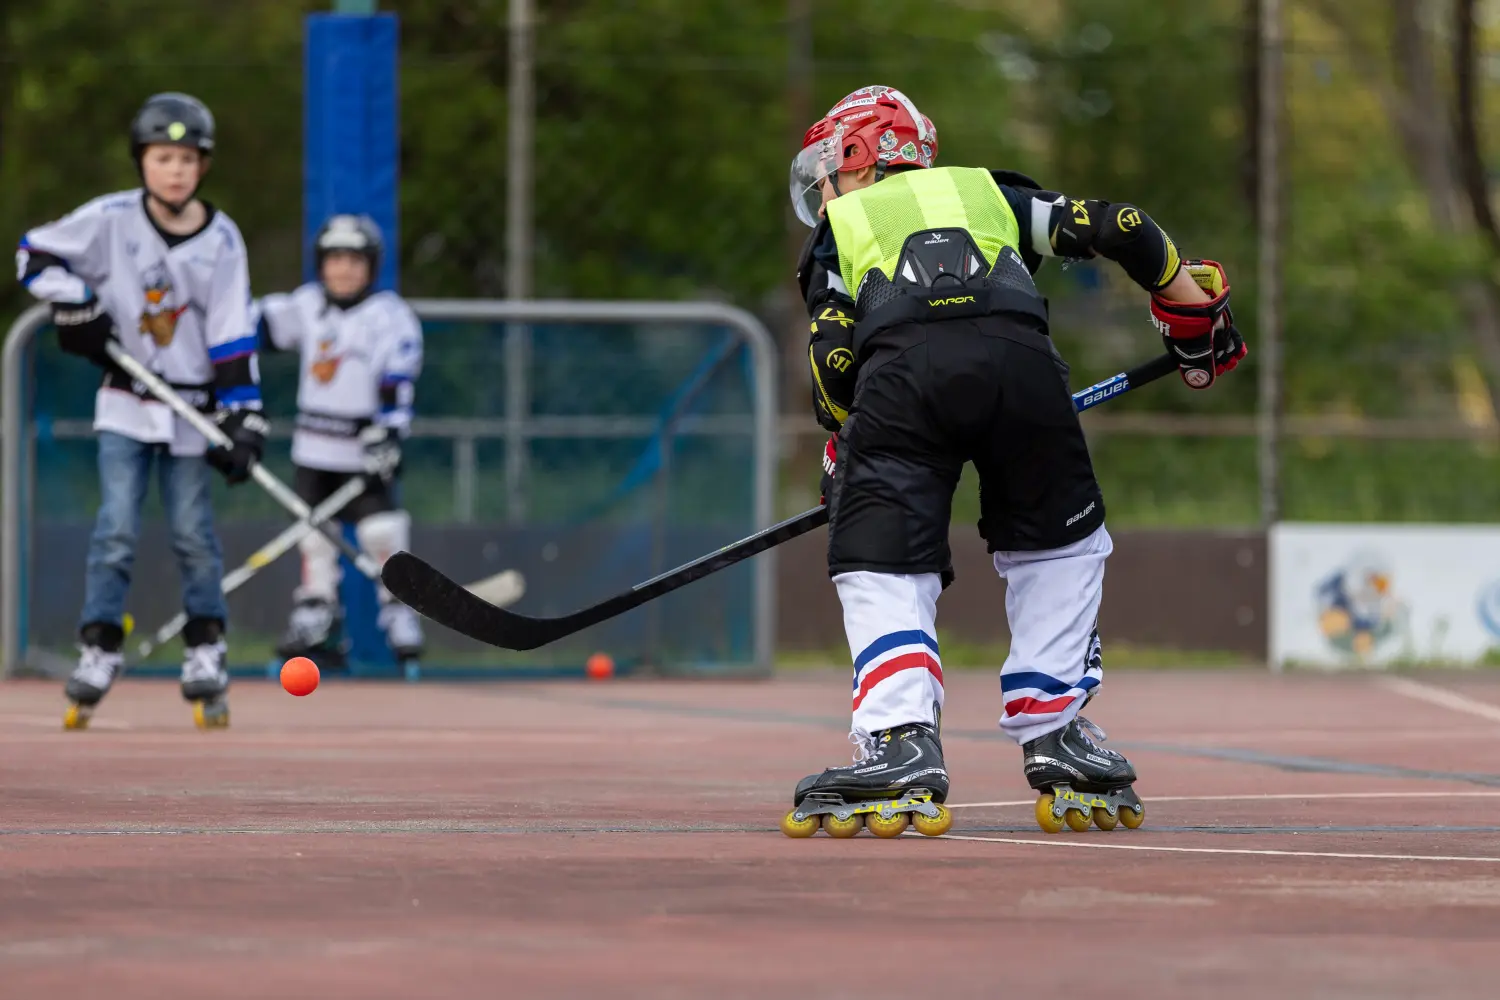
830,460
1201,335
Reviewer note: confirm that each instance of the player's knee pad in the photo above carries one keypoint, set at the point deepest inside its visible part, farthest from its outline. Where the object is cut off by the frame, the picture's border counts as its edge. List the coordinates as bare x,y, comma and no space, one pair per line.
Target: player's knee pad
320,568
384,534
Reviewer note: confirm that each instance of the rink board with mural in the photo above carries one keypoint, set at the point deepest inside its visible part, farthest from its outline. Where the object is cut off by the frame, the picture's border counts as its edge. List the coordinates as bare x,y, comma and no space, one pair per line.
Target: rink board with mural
1344,595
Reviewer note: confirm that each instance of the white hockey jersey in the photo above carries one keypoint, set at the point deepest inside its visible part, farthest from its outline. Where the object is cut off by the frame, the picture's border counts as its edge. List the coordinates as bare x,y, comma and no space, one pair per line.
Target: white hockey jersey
359,367
180,305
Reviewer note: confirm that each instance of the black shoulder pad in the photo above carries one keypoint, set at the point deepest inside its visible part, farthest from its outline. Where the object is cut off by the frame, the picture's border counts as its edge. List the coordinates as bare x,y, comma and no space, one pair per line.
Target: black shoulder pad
1014,178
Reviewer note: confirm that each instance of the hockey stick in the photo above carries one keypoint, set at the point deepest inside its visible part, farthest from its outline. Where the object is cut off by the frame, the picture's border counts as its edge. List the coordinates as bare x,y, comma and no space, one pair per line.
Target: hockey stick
430,593
280,492
263,557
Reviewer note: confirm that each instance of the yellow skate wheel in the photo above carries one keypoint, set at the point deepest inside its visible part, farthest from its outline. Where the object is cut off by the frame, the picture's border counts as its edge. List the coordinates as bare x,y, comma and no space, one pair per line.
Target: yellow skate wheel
882,827
929,826
1077,819
799,828
75,718
843,829
1044,817
1131,818
1103,820
206,716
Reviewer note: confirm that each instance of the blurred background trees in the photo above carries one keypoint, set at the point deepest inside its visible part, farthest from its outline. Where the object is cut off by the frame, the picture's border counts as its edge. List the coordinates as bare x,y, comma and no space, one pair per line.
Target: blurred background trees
664,129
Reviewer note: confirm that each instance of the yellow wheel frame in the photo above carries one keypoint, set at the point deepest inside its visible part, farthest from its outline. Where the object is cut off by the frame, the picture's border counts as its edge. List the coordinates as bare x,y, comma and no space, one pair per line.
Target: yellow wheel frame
75,718
887,828
1104,821
203,720
929,826
799,828
1044,817
843,829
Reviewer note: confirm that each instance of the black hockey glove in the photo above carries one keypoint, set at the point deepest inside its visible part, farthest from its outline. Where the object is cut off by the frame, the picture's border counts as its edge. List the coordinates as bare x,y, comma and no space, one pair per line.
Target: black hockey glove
83,328
382,452
246,430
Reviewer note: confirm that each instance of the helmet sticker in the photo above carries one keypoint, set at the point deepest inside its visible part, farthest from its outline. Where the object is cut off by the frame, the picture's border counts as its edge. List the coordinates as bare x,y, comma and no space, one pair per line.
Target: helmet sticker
861,102
888,139
916,115
909,152
176,131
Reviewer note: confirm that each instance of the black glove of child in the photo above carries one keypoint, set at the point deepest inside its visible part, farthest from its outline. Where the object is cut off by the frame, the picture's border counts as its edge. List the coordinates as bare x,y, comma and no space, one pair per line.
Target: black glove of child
246,431
83,329
382,452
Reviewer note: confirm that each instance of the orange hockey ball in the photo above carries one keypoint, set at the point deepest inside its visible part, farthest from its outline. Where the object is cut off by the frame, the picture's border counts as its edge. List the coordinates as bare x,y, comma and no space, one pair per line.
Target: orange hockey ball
600,666
299,676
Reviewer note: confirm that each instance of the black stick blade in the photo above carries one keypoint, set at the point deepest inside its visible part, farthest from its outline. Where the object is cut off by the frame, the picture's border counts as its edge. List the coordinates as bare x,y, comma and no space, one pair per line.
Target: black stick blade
428,592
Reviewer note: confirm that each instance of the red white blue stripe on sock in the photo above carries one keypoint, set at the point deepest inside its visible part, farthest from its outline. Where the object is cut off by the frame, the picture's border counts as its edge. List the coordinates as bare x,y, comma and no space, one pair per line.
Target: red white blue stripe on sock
1031,692
891,654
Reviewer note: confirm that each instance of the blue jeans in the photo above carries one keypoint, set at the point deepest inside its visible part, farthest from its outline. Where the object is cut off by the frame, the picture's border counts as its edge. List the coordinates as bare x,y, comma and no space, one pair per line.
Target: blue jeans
124,472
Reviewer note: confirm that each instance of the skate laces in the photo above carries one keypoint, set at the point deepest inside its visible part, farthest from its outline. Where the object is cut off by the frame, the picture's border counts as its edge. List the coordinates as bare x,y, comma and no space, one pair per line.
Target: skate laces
97,667
866,746
206,662
311,621
1091,731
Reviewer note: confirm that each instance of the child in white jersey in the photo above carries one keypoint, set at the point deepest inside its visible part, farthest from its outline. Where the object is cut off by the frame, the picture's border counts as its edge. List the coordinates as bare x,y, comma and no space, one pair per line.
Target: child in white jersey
165,276
361,353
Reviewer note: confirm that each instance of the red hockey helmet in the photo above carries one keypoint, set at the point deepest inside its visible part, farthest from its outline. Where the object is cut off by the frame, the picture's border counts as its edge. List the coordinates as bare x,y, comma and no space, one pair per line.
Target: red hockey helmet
873,125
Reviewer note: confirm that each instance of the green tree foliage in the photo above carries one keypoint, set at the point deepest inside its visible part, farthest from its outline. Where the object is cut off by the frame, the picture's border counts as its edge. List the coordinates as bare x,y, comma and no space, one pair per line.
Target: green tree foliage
663,133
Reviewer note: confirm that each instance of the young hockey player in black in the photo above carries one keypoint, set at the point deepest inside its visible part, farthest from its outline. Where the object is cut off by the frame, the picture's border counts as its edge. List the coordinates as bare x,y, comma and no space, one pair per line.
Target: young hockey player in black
929,349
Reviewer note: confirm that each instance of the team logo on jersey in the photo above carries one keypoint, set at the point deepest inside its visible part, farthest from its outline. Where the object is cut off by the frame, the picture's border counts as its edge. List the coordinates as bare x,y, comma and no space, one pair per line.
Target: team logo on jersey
159,317
326,365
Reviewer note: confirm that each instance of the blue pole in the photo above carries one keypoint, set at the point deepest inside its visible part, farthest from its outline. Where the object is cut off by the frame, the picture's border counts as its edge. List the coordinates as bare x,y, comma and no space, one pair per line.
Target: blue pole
351,164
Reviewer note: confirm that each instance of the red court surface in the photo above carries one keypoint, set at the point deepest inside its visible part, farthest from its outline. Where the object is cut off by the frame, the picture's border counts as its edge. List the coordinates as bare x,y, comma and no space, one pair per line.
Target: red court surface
1306,836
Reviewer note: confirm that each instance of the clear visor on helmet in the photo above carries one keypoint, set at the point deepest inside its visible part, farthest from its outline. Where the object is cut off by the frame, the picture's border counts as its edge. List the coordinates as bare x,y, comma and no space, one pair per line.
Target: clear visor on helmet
822,159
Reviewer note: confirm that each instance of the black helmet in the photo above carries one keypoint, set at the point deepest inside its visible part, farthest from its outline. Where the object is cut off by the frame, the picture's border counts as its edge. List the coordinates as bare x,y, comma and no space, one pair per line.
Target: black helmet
174,119
353,234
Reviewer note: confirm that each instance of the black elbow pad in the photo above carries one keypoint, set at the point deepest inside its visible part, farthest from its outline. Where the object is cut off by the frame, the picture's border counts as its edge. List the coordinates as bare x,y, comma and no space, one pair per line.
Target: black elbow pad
1143,250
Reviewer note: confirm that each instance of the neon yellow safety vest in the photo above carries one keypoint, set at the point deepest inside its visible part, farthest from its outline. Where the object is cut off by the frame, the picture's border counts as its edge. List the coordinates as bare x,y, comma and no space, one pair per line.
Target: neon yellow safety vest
872,224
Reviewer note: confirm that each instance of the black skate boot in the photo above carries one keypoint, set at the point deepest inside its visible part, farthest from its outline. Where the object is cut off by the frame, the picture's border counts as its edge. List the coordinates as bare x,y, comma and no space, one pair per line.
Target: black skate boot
315,630
100,662
205,681
403,633
1080,780
898,777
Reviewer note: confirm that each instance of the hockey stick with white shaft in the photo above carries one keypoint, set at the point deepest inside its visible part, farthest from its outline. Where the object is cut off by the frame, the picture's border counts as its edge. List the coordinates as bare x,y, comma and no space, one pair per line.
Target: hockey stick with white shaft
430,593
264,556
280,492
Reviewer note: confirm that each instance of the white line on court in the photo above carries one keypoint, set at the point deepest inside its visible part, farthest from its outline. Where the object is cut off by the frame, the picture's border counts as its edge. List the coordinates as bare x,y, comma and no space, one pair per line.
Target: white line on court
1260,797
1441,697
1065,842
